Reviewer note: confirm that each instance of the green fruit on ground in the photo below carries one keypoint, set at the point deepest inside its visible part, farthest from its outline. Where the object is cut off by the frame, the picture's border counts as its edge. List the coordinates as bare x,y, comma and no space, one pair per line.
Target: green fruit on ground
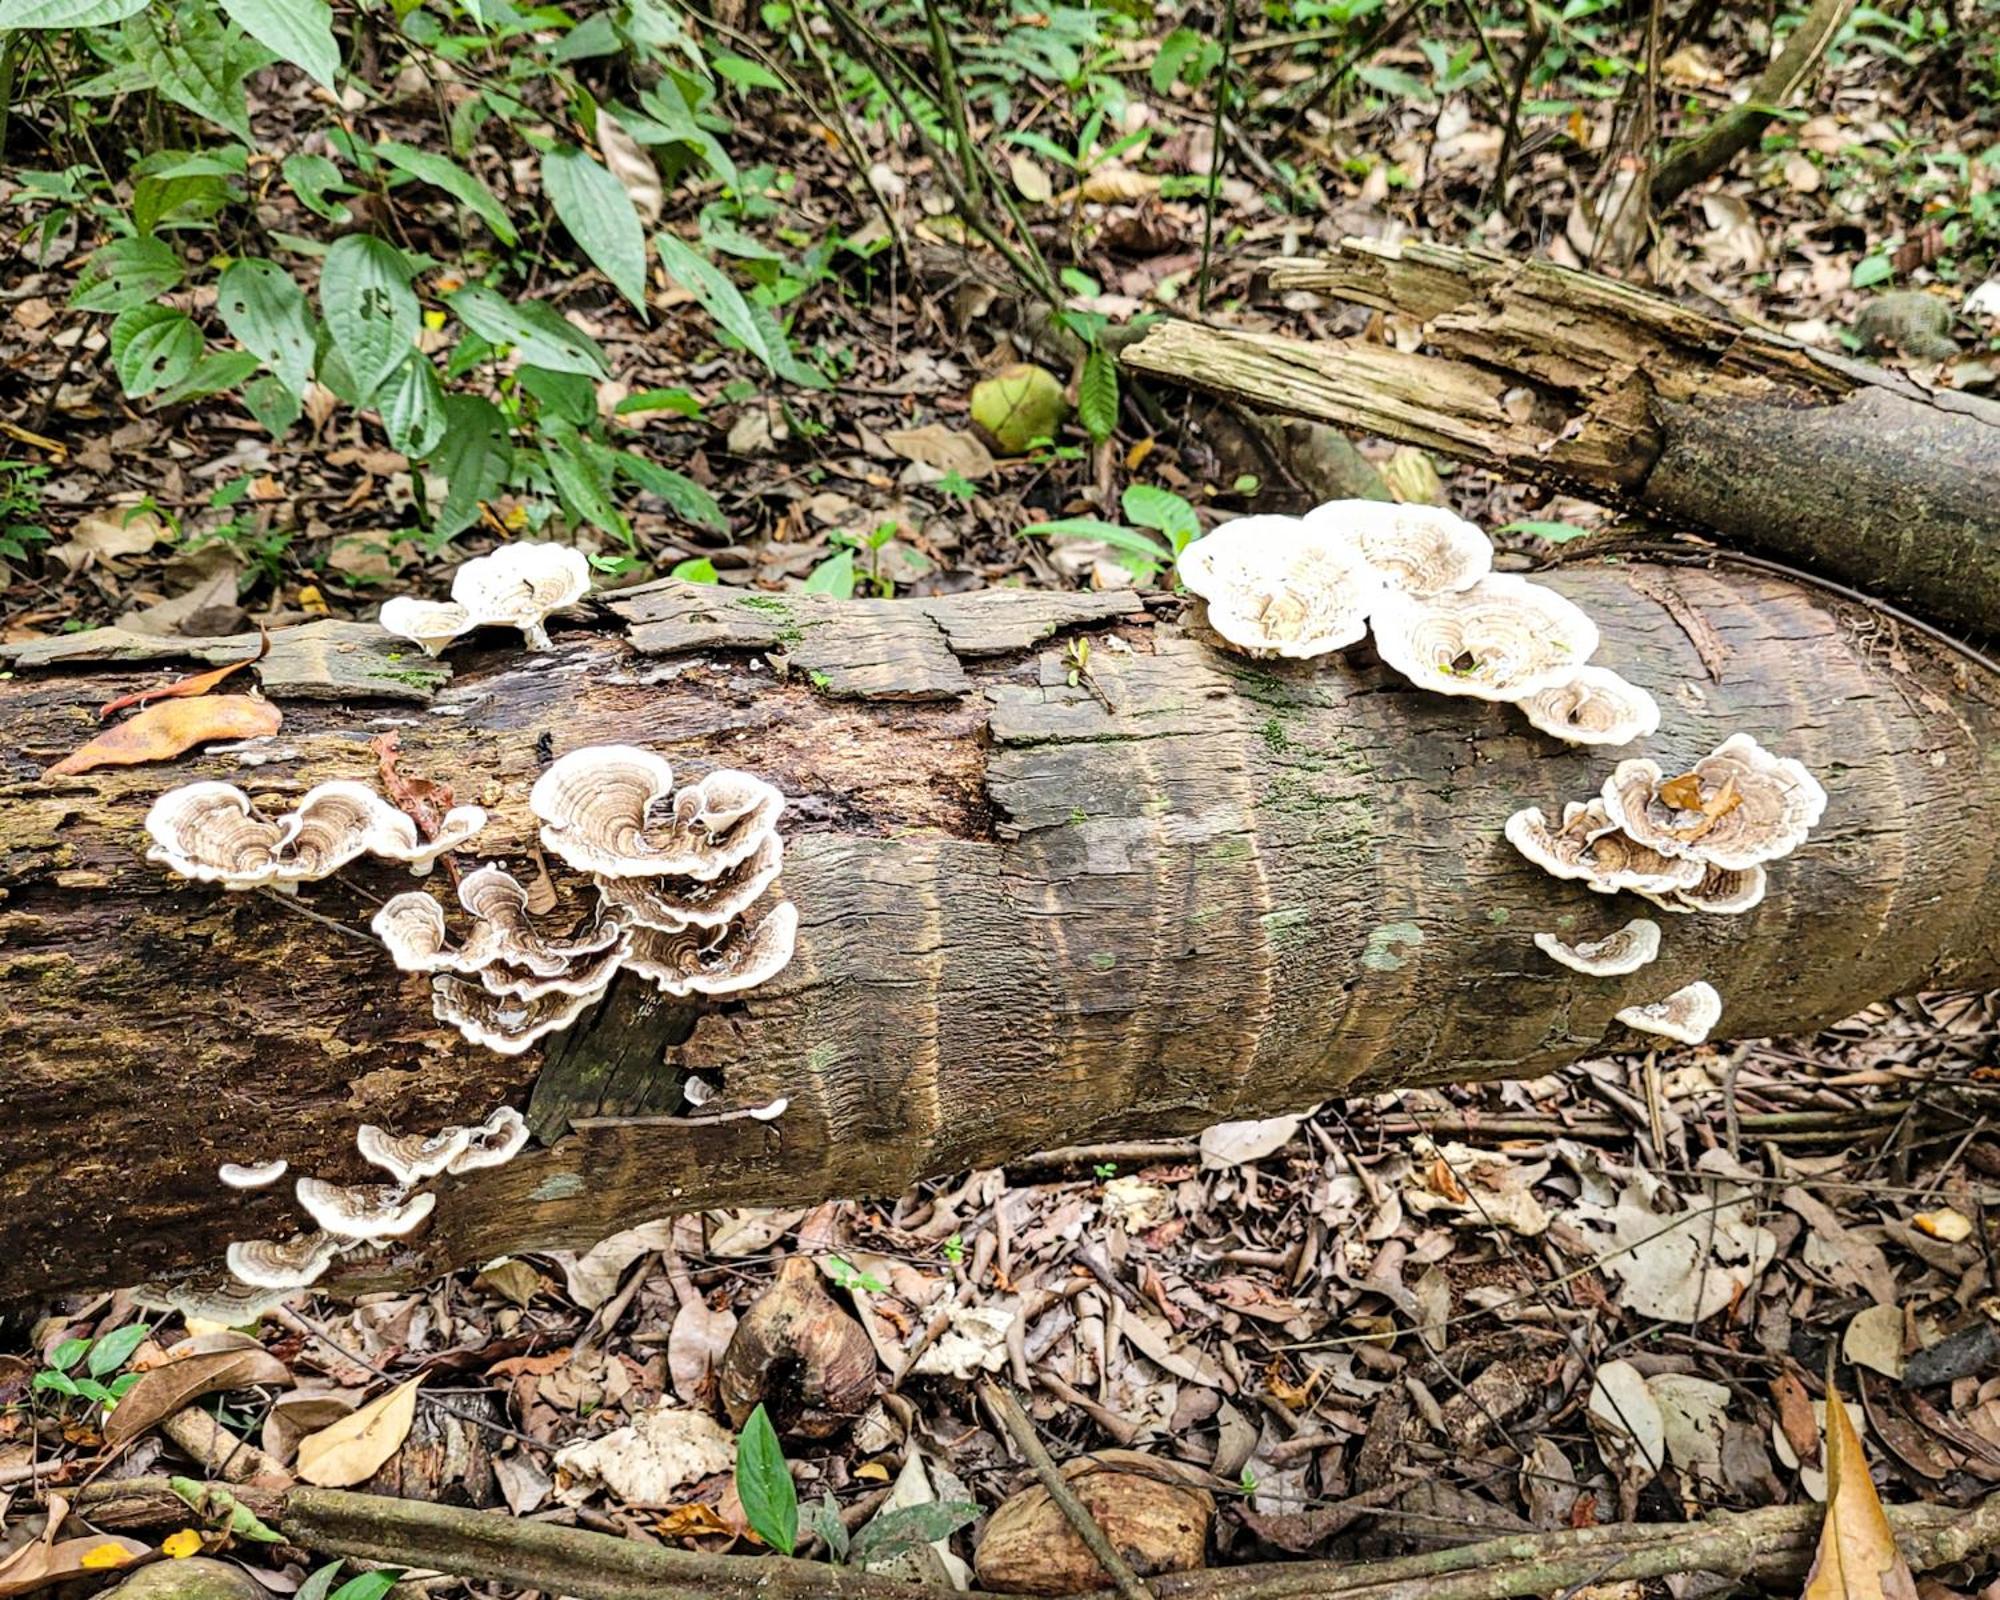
1018,405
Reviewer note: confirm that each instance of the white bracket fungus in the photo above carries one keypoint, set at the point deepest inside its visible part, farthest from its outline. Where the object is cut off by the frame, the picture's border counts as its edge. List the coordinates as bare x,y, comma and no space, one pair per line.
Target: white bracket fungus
1276,586
260,1176
1738,807
412,928
494,1143
1616,954
1593,705
1503,638
363,1211
517,586
1421,550
1590,848
409,1158
596,808
1722,891
502,1022
716,962
1687,1015
293,1263
673,903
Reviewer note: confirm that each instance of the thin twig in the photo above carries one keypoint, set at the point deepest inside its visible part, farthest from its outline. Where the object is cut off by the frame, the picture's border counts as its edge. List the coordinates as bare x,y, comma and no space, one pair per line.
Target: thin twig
1218,150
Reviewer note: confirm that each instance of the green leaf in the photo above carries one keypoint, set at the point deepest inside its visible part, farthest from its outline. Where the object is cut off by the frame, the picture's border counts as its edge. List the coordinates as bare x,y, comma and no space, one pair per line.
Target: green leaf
744,73
827,1524
197,63
1871,270
212,1500
371,312
671,122
763,1482
213,374
598,213
579,485
848,1276
311,177
320,1584
1175,50
678,401
263,306
1393,81
66,13
1153,507
153,347
441,172
834,576
68,1354
1097,396
1554,532
688,499
115,1349
476,457
532,328
54,1380
906,1527
1127,541
411,405
369,1586
567,395
127,273
697,569
299,31
720,298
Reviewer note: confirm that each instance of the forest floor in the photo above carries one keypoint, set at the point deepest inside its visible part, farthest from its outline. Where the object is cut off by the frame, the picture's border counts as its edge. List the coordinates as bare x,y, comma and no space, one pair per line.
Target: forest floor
1371,1330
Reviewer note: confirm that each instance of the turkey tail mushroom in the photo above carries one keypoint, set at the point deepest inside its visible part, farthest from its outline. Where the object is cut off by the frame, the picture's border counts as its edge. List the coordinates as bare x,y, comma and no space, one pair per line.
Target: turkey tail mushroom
1276,586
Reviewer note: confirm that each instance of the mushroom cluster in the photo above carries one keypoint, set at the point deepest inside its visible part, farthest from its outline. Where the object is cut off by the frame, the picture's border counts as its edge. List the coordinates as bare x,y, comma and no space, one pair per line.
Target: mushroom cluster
355,1217
212,832
1421,580
682,879
517,586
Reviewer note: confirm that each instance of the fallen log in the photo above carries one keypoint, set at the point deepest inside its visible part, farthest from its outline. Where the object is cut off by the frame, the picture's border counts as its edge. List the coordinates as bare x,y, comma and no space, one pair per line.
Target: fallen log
1043,897
1601,389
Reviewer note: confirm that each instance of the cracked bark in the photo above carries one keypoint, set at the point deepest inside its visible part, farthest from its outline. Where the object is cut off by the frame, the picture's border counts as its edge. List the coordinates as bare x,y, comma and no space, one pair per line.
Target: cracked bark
1029,917
1600,389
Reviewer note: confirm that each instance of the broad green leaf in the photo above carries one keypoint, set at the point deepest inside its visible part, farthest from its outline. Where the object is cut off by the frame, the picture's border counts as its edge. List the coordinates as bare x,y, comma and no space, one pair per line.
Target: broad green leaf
115,1349
595,208
476,456
1393,81
834,576
441,172
1871,270
689,500
720,298
678,401
183,200
212,1500
1150,506
412,407
1097,396
906,1527
669,121
1128,541
827,1524
532,328
696,569
369,1586
1175,50
153,347
311,178
1554,532
56,1381
570,396
264,307
66,13
371,312
299,31
320,1584
274,406
579,484
763,1481
745,73
214,373
197,63
127,273
68,1354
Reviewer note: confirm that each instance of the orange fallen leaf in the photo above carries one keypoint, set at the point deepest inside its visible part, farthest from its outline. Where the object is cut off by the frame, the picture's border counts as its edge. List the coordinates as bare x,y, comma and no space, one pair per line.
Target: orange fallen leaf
187,688
693,1522
1857,1557
161,732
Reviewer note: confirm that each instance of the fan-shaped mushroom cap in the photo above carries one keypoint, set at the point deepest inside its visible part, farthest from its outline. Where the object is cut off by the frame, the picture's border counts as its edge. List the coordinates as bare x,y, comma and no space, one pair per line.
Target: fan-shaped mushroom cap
1750,806
211,832
518,585
411,928
1627,950
1726,891
703,961
1502,639
1620,862
673,903
260,1176
1593,706
1589,847
1421,550
363,1211
432,624
337,821
1687,1015
410,1158
596,806
282,1264
582,974
504,933
1278,587
495,1142
502,1022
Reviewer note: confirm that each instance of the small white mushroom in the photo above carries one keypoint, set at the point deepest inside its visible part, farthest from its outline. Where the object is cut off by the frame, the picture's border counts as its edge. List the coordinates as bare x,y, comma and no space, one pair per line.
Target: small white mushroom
211,832
292,1263
363,1211
673,903
1593,706
1503,638
517,586
1421,550
1687,1015
494,1143
1627,950
1736,808
260,1176
432,624
1275,586
705,961
409,1158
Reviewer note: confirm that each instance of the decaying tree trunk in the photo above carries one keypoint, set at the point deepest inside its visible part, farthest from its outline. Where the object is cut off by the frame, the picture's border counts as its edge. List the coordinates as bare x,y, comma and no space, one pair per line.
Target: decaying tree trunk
1593,386
1037,904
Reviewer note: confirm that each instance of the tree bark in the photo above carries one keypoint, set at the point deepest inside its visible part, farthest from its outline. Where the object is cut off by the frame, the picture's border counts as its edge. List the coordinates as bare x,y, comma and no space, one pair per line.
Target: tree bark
1603,390
1184,888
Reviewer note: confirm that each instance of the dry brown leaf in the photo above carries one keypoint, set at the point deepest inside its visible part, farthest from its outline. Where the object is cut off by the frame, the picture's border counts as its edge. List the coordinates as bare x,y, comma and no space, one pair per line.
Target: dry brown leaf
354,1448
1795,1415
1946,1224
631,166
171,728
48,1560
1857,1557
1029,178
121,531
209,1364
424,799
943,449
695,1521
188,688
1110,184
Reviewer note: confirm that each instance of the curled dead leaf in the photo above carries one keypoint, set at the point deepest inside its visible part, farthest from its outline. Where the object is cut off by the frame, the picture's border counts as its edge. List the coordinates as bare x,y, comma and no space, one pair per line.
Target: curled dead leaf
210,1364
1857,1557
161,732
354,1448
188,688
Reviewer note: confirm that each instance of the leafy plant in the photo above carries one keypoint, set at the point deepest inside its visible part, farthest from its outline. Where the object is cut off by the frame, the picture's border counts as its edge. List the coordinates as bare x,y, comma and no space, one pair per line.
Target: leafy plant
764,1484
1144,554
21,508
100,1360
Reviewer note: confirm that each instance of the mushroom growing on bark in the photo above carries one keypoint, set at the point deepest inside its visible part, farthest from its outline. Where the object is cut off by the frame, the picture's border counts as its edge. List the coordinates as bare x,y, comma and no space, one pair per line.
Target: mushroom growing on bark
596,808
674,903
260,1176
1590,847
410,1158
1737,808
503,1022
494,1143
1616,954
210,832
1687,1015
412,928
1418,549
1503,638
1275,586
363,1211
1593,705
517,586
712,961
795,1352
292,1263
